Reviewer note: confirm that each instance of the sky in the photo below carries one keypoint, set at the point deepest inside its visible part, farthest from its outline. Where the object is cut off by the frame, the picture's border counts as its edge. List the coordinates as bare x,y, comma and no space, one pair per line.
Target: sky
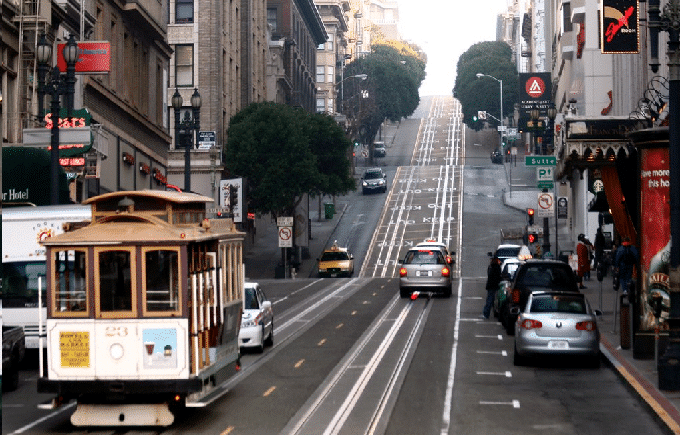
445,29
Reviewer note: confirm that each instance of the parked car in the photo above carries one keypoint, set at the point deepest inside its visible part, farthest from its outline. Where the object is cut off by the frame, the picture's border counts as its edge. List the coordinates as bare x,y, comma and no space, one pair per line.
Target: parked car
497,156
13,351
432,243
557,323
336,261
500,307
424,269
373,180
538,275
257,320
379,149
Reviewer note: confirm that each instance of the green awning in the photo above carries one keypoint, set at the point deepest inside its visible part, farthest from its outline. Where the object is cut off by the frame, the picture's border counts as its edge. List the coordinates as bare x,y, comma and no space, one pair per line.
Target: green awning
26,177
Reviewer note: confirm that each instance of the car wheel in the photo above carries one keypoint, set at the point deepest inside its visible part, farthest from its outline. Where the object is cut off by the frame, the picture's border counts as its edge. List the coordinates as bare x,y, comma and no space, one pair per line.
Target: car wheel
509,326
11,379
260,347
594,361
447,291
270,340
365,192
518,359
404,293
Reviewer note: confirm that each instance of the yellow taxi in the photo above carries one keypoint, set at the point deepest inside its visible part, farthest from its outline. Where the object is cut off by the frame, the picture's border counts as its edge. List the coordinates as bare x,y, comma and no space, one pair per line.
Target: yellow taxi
336,261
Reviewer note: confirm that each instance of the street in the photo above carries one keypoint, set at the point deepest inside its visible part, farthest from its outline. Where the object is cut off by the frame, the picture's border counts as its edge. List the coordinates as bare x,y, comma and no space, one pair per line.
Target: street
350,356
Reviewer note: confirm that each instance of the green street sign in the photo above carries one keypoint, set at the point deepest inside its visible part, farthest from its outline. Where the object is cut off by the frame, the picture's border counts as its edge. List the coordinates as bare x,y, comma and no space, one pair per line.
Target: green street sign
545,185
540,160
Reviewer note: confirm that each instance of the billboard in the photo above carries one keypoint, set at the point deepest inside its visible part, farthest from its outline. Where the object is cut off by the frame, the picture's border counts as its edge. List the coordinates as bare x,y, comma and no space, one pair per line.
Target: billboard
94,57
231,197
620,27
535,92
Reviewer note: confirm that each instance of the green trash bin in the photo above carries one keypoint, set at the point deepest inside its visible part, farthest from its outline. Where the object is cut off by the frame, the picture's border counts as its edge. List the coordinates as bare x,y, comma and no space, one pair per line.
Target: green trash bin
330,209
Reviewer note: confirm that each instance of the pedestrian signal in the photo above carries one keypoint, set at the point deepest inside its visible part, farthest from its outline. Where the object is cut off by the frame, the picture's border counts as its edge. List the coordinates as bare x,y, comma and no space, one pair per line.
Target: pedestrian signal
530,215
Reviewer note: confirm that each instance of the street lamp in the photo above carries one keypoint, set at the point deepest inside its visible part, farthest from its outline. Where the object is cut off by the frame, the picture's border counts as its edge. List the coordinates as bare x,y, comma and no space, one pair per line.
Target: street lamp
56,85
190,126
342,86
667,21
502,129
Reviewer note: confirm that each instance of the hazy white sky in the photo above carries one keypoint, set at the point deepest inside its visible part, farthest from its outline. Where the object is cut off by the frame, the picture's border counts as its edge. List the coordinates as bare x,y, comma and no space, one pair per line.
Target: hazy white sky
445,29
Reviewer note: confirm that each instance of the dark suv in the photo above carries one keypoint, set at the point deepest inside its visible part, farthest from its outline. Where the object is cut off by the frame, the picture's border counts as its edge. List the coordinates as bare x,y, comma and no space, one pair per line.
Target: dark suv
373,180
537,275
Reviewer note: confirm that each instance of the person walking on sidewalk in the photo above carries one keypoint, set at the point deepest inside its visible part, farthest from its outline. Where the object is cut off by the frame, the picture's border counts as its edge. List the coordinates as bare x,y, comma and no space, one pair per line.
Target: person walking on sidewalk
599,248
493,280
625,261
583,254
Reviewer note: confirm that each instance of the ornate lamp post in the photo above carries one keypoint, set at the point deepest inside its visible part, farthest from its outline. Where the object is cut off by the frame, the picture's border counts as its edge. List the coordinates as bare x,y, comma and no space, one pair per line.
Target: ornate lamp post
56,86
669,21
502,127
190,125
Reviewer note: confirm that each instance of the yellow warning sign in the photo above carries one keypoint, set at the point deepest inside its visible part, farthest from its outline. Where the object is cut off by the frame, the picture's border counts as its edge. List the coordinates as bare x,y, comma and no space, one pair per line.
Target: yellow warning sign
75,349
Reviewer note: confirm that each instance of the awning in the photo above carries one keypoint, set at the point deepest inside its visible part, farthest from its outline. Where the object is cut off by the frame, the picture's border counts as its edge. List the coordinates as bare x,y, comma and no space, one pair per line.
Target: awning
26,177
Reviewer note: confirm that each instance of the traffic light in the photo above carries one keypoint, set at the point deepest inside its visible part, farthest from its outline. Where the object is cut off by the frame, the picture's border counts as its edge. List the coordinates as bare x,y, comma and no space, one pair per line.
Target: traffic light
531,238
530,216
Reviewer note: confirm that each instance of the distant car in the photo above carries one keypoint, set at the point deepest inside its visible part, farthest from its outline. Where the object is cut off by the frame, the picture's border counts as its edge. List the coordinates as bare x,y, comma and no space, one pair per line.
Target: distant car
503,295
538,275
557,323
379,149
373,180
497,156
336,261
445,250
424,269
257,320
505,251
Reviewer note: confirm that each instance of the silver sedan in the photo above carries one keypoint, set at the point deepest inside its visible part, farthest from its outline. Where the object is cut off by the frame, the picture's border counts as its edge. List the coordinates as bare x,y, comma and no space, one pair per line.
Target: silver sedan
557,323
424,269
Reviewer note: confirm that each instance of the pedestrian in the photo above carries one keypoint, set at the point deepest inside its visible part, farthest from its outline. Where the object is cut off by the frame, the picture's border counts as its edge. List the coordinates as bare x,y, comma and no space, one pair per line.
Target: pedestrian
625,261
583,254
493,280
599,247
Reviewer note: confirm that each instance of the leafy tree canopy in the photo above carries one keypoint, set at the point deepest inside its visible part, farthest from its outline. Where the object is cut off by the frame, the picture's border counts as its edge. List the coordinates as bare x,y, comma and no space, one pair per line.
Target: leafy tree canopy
493,58
284,153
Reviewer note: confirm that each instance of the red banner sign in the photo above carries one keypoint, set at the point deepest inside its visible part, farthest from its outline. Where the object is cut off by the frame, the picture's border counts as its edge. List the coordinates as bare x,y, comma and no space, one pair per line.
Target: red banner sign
94,57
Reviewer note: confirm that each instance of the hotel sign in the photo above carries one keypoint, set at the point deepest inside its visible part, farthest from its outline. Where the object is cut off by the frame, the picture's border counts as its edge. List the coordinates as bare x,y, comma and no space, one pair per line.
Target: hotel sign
620,27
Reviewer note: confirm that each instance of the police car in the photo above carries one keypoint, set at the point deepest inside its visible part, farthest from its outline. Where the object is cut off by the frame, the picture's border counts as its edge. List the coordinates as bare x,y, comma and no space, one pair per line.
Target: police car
336,261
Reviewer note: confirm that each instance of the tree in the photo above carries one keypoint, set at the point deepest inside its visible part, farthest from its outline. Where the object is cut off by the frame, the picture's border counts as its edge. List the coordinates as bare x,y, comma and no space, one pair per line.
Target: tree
493,58
389,92
284,153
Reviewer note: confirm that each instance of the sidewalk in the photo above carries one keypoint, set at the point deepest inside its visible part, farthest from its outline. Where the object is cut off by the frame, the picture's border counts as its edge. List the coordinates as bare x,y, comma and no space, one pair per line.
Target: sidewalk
640,374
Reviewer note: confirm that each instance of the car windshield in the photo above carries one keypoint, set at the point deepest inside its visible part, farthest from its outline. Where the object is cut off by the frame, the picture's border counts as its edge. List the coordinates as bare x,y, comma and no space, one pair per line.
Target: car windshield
545,276
511,269
424,257
334,256
251,299
558,304
508,252
371,175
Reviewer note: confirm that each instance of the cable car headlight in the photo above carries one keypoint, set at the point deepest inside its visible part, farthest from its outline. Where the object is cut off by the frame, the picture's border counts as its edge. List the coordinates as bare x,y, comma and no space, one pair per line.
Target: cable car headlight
116,351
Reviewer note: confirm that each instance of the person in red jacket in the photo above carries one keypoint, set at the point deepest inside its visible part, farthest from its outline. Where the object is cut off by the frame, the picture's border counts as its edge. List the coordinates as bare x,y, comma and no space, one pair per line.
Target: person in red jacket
583,254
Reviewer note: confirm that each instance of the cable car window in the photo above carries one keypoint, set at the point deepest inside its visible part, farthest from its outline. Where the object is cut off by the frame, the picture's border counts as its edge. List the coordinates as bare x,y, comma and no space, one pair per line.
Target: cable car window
161,272
70,290
115,279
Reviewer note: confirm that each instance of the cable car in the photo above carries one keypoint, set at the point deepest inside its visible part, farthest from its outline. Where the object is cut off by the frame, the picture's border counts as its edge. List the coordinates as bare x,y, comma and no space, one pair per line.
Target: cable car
143,309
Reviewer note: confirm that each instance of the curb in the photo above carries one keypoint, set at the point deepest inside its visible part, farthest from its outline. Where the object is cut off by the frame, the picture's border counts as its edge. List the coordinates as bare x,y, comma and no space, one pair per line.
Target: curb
662,408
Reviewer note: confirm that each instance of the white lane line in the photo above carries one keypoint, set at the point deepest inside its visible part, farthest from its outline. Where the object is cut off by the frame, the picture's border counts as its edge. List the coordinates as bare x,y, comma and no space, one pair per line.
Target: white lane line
446,417
47,417
507,374
494,352
500,337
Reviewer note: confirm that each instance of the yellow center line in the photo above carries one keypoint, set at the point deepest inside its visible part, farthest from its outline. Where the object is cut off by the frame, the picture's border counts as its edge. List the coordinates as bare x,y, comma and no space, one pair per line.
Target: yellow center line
269,391
322,342
228,430
299,363
354,312
340,326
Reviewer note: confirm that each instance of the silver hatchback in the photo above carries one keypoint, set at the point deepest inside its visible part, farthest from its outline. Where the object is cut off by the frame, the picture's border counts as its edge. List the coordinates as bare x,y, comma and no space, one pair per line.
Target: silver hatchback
557,323
424,269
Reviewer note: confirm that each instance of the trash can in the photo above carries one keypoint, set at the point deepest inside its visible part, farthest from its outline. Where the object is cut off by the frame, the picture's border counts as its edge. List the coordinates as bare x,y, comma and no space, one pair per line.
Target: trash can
329,207
625,322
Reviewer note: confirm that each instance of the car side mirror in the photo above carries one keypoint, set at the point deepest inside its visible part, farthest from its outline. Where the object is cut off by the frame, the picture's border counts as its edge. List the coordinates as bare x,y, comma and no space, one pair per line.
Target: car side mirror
514,311
598,313
266,305
490,254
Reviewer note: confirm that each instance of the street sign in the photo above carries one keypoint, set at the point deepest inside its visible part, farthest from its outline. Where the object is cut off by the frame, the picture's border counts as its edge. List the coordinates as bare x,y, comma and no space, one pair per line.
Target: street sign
540,160
544,173
545,185
206,140
546,204
285,237
502,128
284,221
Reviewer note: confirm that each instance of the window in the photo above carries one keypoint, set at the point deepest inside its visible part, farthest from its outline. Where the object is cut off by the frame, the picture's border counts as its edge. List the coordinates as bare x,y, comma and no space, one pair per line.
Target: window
115,278
70,283
161,279
566,16
330,73
321,46
184,65
272,19
320,74
329,42
320,105
184,11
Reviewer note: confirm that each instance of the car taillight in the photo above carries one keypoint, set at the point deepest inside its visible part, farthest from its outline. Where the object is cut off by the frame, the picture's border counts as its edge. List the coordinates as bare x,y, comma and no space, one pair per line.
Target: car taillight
588,325
446,271
402,272
515,296
530,324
